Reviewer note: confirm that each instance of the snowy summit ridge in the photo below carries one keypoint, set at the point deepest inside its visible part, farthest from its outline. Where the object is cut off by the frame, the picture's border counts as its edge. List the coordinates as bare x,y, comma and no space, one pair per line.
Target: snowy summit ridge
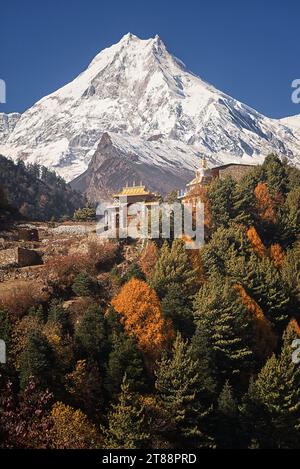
138,92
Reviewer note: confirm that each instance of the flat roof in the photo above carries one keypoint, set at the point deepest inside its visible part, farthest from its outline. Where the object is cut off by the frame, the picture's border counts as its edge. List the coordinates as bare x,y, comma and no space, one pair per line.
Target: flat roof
234,164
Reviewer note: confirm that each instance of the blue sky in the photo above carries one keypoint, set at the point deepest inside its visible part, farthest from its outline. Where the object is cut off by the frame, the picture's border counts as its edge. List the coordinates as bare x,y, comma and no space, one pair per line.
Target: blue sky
248,49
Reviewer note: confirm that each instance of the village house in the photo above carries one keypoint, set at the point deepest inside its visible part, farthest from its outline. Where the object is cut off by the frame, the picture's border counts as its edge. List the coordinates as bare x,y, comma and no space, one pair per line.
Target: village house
204,176
136,194
131,195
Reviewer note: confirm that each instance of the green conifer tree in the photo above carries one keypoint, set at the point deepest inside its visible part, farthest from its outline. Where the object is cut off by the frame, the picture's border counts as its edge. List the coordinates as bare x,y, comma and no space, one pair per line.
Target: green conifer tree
173,267
126,422
38,361
84,285
124,358
90,334
178,309
224,325
227,426
220,197
275,399
57,314
179,386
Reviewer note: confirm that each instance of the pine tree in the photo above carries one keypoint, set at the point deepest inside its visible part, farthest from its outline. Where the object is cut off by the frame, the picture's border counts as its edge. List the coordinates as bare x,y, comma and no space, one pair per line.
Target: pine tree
220,198
173,267
126,422
39,361
124,358
226,245
38,312
134,271
58,315
276,174
87,213
84,285
179,386
179,310
222,319
290,216
291,275
229,433
84,384
243,204
275,395
90,334
265,284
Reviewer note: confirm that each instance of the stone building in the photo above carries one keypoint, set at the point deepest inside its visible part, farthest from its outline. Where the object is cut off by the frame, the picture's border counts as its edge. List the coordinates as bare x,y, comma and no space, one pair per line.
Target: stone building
19,257
128,206
204,176
234,170
28,234
136,194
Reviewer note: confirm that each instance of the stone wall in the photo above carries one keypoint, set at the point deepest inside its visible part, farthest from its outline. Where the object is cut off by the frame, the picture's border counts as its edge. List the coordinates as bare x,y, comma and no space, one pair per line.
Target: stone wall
8,257
28,257
28,234
22,273
19,257
236,171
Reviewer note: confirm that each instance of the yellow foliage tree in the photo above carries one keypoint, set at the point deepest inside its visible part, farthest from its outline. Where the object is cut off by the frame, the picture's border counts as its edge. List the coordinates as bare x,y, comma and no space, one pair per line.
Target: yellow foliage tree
20,336
197,265
295,326
277,255
139,306
256,242
264,335
265,203
71,429
148,258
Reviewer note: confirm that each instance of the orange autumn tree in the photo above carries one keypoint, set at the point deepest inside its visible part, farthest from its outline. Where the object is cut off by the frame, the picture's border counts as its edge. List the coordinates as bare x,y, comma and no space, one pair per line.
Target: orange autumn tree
277,255
148,258
293,324
265,203
197,265
139,307
264,336
256,242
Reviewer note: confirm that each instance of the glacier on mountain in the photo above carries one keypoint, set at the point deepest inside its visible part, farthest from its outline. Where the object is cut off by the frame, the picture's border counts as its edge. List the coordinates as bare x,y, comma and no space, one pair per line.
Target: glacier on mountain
152,106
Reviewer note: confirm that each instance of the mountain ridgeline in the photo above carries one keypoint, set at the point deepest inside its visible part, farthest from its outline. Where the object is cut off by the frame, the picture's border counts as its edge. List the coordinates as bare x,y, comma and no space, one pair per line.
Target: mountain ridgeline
35,192
157,119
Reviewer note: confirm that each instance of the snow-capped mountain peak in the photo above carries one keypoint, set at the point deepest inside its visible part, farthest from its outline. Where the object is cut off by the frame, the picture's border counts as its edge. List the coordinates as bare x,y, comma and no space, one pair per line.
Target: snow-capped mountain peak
137,90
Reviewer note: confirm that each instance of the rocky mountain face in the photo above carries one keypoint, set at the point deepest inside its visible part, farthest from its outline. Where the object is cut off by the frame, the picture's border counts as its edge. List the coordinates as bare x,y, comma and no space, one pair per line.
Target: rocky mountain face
138,113
117,161
7,125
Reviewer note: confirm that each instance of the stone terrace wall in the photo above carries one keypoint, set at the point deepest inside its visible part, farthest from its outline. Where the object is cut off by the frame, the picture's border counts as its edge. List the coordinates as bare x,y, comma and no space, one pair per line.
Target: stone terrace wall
27,257
22,273
20,257
8,257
